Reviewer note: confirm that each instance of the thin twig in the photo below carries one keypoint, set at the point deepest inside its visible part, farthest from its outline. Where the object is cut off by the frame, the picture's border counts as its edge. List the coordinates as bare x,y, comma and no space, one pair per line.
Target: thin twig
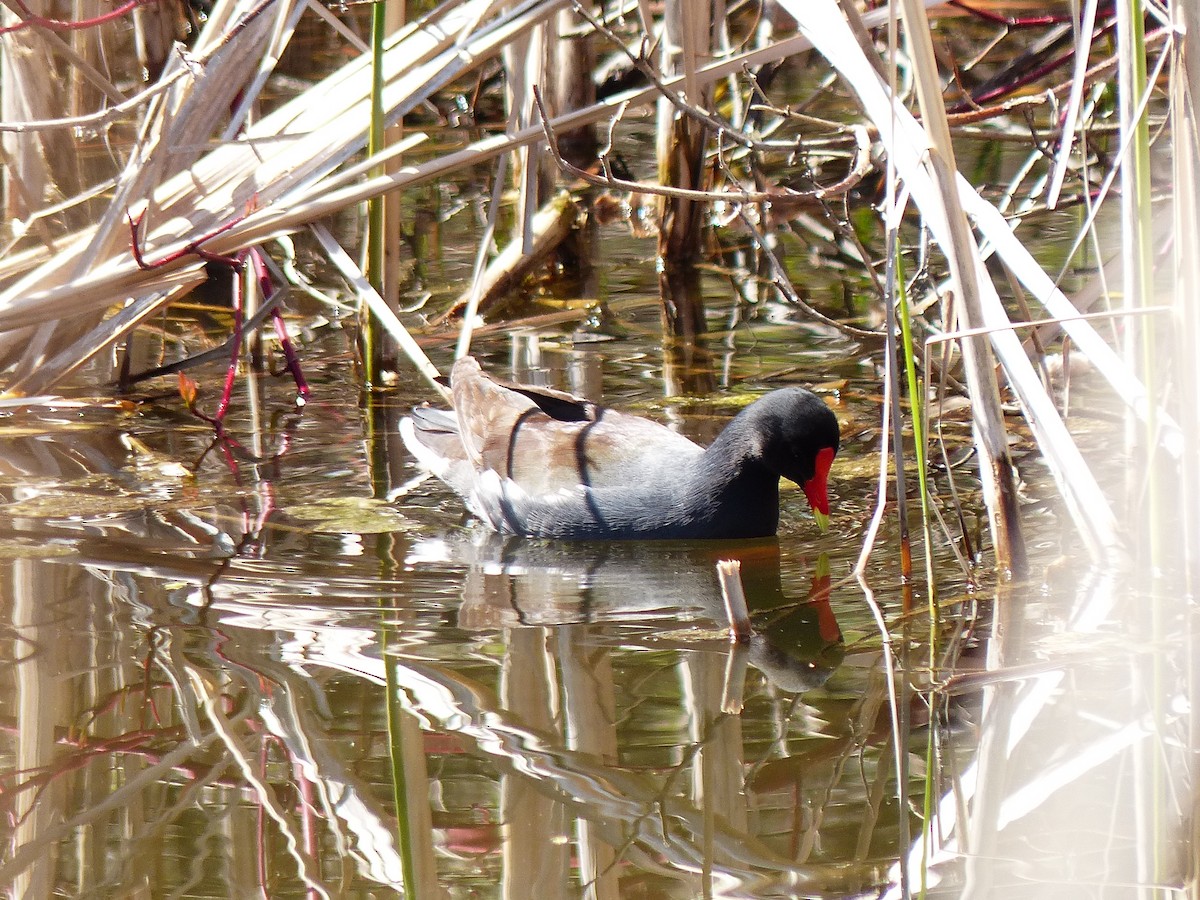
30,19
784,284
608,180
221,350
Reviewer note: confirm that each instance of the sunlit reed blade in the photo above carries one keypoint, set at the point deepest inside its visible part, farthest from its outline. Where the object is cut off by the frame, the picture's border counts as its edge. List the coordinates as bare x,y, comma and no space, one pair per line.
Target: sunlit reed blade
384,313
908,145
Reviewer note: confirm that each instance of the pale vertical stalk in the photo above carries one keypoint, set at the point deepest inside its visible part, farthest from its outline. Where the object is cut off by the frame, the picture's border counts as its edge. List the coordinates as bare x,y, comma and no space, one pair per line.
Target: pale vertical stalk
38,702
25,94
83,96
899,742
680,147
872,531
395,18
1083,44
535,862
463,347
524,67
716,784
996,469
1136,253
669,40
721,40
1185,131
590,725
570,85
684,39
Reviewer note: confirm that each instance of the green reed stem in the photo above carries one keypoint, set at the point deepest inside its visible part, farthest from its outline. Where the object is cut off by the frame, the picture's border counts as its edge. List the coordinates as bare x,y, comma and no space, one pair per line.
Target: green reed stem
372,359
404,838
917,405
917,414
1139,223
372,345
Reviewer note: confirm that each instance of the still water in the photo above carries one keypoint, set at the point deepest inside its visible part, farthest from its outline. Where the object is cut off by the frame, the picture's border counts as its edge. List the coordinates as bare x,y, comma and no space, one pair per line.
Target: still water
286,666
201,643
283,665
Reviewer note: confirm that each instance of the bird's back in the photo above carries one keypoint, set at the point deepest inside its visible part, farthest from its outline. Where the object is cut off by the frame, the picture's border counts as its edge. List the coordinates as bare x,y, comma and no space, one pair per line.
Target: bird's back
533,460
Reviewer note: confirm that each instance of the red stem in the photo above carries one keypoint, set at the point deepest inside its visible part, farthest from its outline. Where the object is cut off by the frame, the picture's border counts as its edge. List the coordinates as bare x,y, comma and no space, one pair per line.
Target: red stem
285,342
1011,21
291,357
1029,77
30,18
239,317
194,247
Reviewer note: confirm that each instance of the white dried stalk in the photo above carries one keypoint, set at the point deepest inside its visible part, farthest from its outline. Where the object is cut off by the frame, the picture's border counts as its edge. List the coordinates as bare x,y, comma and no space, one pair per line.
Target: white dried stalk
379,307
322,128
907,143
298,189
1083,46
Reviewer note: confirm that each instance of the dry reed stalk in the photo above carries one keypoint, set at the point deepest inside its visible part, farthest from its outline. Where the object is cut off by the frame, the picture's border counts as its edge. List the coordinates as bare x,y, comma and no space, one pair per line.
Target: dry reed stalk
281,176
36,166
177,131
479,271
550,227
286,151
82,94
681,145
572,87
379,307
1074,104
524,69
907,145
1185,128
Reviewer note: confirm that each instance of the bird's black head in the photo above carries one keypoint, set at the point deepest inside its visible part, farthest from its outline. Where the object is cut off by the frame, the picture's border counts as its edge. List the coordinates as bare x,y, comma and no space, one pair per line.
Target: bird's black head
796,436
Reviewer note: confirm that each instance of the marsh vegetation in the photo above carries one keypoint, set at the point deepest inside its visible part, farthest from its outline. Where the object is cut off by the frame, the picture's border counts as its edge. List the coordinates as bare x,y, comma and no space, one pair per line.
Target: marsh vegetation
248,649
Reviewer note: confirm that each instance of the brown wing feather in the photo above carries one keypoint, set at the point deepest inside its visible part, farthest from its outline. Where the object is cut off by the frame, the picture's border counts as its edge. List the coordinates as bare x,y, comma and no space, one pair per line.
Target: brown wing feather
513,433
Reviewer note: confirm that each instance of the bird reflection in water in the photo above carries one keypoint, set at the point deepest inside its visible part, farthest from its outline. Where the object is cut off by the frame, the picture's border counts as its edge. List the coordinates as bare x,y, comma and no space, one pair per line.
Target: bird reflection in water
669,585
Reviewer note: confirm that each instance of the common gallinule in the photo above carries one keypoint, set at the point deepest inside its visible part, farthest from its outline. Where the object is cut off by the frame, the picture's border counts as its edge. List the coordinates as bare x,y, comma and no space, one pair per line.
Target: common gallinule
543,463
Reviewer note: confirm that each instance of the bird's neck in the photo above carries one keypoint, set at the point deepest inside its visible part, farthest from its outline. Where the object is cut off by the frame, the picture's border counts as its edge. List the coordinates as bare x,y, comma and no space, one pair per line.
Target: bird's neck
739,488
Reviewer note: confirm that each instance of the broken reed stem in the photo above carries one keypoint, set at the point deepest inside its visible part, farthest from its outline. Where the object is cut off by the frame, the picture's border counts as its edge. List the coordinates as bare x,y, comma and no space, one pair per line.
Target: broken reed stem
729,574
733,692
